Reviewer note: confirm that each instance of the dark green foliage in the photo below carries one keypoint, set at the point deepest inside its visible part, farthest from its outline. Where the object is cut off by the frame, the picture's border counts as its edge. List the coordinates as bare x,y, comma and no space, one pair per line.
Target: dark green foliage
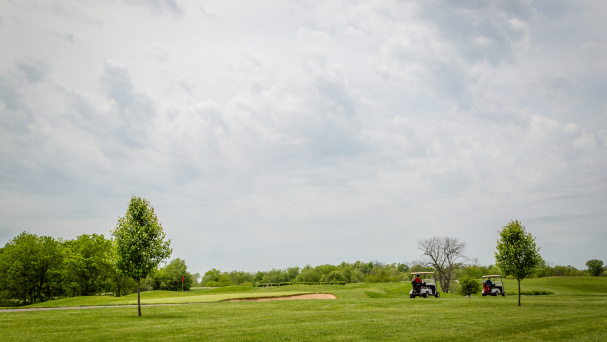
239,277
30,269
34,269
216,278
595,267
469,286
87,264
170,277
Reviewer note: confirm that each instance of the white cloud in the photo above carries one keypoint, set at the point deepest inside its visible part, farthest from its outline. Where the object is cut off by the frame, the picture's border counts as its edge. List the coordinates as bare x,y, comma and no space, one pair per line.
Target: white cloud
358,128
585,141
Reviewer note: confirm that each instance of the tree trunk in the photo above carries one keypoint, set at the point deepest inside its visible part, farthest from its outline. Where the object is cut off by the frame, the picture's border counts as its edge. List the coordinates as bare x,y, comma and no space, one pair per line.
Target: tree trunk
139,299
519,292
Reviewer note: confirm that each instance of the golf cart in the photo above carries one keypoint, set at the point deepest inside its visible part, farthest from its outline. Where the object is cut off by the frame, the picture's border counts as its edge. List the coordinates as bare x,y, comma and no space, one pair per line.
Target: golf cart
493,288
426,287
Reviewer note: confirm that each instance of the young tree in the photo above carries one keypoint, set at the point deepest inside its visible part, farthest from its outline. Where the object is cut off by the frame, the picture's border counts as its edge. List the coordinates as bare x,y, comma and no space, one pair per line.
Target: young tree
595,267
445,255
517,254
140,244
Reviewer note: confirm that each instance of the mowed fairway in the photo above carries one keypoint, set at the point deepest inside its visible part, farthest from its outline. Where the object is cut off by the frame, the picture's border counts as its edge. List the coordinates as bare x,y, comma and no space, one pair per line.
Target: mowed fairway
362,312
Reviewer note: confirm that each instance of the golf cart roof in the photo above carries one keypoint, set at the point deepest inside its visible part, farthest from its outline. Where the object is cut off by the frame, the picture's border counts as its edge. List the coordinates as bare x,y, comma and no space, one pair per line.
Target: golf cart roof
414,273
492,276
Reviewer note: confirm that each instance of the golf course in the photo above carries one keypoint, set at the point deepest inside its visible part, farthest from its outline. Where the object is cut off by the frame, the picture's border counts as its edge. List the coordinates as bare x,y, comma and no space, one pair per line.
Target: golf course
570,309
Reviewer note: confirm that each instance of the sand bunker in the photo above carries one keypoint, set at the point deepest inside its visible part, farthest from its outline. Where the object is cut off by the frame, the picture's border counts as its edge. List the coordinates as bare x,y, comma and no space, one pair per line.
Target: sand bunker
295,297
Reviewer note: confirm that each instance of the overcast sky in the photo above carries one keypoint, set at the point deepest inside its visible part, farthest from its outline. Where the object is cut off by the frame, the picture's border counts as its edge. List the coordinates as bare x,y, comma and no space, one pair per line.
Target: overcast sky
270,134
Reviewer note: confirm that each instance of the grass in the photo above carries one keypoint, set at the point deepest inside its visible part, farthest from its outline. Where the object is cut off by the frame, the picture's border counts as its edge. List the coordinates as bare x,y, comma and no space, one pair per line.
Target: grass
535,293
363,312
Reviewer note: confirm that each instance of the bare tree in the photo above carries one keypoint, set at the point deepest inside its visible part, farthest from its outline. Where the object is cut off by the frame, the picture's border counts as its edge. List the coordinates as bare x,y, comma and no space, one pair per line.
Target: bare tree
444,254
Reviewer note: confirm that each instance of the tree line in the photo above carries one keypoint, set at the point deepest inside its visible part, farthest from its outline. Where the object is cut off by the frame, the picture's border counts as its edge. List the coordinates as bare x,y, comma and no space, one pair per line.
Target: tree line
363,272
39,268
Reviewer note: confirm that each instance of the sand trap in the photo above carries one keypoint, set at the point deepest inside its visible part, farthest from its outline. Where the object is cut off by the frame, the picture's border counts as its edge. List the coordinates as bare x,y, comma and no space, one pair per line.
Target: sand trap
295,297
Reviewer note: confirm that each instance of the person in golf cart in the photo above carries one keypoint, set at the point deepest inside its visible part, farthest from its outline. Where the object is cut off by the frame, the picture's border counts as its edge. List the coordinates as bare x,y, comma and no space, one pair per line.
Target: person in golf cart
424,285
493,288
417,283
488,285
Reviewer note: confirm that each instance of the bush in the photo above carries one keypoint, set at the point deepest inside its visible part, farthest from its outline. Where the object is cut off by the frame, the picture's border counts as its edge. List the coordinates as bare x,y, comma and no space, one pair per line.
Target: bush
469,286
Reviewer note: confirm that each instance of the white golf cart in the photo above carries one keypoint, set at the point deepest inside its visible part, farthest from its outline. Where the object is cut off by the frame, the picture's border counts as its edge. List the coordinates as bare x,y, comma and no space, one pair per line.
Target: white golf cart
493,287
425,287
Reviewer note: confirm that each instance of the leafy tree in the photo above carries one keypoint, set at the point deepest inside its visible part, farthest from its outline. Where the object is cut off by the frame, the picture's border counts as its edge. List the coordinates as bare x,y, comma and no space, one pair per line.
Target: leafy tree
595,267
378,275
119,283
140,244
517,254
87,263
469,286
27,264
171,275
195,278
333,276
445,256
356,276
239,277
308,275
291,273
215,278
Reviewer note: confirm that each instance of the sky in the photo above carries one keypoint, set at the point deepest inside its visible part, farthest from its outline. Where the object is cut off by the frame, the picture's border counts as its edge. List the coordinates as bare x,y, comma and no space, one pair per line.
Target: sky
273,134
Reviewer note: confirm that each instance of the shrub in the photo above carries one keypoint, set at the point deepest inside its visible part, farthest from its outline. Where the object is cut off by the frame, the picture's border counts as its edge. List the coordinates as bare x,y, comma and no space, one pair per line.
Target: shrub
469,286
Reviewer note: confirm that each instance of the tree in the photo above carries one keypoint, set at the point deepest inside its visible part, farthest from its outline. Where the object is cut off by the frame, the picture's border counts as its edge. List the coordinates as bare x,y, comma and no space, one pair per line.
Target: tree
171,275
595,267
140,244
216,278
445,255
517,254
27,263
469,286
87,263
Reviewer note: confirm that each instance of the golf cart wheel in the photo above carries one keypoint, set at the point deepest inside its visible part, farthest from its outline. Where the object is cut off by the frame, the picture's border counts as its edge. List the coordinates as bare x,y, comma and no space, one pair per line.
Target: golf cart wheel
411,296
437,295
484,294
503,294
425,295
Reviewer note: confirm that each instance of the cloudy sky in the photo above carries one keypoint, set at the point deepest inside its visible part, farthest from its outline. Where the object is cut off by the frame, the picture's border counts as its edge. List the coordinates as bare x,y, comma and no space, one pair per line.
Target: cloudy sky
270,134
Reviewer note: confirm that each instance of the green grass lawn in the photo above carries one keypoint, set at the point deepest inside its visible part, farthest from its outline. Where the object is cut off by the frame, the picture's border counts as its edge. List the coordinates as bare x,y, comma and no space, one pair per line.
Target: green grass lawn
576,311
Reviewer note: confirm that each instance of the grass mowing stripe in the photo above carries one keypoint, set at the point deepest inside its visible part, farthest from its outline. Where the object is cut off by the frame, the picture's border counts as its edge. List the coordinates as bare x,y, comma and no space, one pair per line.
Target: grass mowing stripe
569,314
